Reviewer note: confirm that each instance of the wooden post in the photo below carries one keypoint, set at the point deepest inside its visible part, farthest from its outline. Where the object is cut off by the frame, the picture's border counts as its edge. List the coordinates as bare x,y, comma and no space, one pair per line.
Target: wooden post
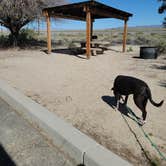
88,32
48,33
124,35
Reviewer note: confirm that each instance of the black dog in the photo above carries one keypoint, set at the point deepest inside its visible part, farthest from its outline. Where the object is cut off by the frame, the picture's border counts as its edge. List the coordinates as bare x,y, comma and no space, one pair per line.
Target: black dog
125,85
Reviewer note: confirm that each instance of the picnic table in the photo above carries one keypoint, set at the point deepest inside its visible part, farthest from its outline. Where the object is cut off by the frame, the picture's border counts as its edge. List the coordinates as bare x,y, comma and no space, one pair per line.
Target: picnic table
97,47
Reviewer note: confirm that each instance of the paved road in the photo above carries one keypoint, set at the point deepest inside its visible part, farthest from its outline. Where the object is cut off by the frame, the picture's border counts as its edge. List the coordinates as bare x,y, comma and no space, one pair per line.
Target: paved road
22,145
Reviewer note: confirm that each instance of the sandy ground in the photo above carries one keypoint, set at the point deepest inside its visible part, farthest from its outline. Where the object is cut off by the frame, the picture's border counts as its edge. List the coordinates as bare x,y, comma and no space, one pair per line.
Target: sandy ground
78,90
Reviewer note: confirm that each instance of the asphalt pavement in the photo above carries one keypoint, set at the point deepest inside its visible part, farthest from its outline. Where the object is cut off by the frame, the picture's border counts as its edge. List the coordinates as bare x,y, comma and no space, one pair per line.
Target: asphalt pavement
23,145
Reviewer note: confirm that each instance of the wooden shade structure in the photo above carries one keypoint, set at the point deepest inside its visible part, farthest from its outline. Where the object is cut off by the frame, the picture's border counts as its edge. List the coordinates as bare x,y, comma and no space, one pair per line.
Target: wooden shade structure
86,11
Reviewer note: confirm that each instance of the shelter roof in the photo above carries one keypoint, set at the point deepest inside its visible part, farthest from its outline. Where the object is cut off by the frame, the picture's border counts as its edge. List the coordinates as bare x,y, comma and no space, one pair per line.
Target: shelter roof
77,11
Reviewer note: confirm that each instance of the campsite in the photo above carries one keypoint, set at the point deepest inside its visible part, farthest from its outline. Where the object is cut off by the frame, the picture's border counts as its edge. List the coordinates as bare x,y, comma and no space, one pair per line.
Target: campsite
75,84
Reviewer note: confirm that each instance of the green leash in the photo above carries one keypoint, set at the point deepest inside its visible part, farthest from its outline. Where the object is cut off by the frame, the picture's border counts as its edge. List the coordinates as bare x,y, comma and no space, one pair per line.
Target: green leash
146,135
153,144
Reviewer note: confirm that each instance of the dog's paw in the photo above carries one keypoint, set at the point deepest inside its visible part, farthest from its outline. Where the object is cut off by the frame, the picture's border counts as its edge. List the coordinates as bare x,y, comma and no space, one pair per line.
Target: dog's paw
141,122
116,109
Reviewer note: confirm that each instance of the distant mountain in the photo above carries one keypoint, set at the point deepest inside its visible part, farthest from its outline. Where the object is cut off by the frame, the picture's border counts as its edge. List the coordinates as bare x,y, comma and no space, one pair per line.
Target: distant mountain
147,26
142,26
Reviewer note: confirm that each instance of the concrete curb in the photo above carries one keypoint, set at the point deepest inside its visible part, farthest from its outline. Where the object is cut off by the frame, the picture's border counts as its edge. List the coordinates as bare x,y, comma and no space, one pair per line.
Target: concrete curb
79,146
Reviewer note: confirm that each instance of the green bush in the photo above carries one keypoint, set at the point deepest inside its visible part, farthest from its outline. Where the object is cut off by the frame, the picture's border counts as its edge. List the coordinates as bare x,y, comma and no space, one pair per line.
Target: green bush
130,49
4,40
26,37
72,45
27,34
142,39
161,45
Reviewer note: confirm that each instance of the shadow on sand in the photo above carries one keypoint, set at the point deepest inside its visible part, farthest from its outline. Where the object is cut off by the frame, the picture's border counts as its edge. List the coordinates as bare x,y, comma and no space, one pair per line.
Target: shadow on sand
114,50
160,67
110,100
162,83
136,57
5,159
70,52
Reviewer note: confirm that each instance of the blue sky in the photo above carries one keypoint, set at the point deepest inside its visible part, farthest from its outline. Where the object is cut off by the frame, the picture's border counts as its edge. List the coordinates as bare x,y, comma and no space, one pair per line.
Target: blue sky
145,12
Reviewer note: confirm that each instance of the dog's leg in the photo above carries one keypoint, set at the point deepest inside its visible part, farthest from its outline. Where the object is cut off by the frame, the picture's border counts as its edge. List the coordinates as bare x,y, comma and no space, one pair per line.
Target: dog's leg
117,106
141,102
117,97
144,113
126,98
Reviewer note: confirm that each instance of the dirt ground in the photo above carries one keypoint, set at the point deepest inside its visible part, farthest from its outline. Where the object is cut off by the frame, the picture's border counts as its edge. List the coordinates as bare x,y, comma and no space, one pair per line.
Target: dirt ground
79,91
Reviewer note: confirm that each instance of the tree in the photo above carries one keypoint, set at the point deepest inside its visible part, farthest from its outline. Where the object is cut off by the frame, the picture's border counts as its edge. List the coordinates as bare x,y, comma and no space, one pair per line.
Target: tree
162,9
164,22
14,14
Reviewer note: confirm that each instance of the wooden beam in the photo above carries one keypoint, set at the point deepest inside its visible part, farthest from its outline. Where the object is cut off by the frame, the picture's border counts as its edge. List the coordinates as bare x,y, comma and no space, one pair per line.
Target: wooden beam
124,36
107,14
48,33
88,32
68,16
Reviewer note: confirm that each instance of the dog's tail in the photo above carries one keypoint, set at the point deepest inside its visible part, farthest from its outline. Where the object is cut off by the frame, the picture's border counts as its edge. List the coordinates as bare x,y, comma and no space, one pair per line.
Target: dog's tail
151,100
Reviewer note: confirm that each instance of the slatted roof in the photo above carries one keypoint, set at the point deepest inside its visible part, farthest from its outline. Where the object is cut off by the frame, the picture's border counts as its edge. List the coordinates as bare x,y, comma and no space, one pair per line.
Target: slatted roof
77,11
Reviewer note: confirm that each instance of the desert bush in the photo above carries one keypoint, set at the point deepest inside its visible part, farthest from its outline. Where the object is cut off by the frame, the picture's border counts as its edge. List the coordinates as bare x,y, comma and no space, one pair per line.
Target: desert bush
142,39
153,34
157,41
130,49
115,36
25,37
27,34
4,41
72,45
139,33
161,45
